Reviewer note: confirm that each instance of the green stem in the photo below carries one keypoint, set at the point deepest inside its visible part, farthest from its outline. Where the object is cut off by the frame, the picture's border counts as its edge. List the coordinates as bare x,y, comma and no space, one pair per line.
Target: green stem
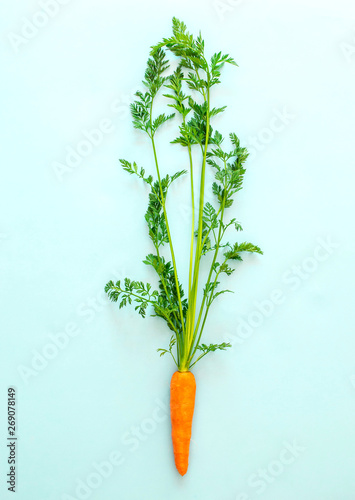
193,217
204,319
221,231
194,287
192,233
198,359
177,364
169,236
161,276
208,282
167,224
162,279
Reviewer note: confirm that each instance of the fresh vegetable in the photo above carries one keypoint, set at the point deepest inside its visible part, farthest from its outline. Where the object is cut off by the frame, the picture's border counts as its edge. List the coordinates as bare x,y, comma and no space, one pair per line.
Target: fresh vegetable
189,91
182,404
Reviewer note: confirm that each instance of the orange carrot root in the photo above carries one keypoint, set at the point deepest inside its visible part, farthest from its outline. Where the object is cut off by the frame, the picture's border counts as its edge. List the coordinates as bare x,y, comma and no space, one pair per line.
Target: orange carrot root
182,404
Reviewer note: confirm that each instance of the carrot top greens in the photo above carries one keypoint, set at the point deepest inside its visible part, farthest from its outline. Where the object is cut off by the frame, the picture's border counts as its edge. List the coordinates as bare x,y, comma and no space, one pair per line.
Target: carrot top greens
188,92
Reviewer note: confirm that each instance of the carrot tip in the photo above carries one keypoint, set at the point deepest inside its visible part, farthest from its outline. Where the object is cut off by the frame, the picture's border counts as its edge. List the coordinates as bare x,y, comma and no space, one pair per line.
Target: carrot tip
182,472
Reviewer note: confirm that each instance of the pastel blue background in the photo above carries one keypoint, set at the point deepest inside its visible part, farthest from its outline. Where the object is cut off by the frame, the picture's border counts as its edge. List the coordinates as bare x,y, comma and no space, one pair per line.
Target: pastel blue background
290,377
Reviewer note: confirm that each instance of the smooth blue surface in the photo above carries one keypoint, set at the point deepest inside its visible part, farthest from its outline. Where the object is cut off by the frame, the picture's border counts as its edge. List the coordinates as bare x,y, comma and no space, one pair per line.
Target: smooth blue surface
274,416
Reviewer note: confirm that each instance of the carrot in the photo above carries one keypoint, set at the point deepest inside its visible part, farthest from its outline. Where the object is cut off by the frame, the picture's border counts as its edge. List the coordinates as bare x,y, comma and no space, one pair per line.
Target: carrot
182,404
185,312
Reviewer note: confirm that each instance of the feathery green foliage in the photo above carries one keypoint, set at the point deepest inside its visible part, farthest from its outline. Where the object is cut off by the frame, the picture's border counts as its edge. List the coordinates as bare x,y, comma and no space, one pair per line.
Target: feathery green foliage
188,91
